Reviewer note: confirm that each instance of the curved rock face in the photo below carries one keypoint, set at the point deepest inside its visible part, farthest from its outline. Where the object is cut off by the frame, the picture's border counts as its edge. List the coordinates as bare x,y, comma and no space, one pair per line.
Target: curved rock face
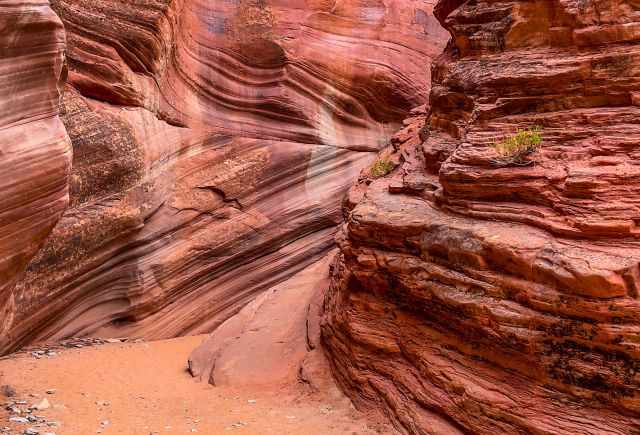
35,152
472,295
341,73
212,144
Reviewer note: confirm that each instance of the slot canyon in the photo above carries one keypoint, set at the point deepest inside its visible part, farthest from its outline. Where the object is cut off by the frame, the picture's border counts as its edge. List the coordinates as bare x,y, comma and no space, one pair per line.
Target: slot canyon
298,217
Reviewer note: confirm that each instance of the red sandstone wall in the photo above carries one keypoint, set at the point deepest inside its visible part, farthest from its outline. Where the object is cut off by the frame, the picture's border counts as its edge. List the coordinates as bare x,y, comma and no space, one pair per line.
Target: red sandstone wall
474,297
35,153
212,144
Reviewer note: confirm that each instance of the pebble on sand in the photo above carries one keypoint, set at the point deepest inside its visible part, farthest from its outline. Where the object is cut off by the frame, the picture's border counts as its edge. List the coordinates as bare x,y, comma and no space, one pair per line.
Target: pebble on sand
41,405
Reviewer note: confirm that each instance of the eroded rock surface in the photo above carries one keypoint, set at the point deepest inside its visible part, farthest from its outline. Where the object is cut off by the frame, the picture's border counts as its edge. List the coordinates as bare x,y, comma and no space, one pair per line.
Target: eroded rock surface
35,153
212,144
471,296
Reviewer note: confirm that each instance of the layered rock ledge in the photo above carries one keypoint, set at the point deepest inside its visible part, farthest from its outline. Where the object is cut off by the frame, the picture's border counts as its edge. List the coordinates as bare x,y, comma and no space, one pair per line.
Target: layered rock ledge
475,296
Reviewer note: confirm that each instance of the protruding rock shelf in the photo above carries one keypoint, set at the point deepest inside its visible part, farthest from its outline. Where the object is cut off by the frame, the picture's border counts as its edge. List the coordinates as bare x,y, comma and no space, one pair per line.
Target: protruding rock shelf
475,297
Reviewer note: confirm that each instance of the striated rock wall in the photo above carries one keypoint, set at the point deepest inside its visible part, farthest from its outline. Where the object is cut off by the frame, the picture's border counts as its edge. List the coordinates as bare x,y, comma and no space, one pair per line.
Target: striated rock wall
342,73
472,296
212,144
35,152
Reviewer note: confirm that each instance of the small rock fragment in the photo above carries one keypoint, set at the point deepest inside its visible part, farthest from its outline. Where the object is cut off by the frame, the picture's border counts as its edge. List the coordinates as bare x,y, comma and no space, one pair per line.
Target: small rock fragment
326,409
41,405
13,409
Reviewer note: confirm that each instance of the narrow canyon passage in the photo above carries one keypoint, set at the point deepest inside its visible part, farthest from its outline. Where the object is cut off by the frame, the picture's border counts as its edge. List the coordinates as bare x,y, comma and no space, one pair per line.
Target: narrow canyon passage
371,216
212,145
192,177
270,377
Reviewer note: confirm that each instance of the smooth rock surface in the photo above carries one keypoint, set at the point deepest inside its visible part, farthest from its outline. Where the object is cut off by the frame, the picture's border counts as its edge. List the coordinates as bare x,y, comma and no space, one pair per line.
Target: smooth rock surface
35,152
212,145
470,296
274,341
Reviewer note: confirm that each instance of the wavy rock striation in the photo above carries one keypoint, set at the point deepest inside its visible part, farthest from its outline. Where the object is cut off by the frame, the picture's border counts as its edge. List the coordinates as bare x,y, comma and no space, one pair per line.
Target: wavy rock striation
35,153
475,296
212,144
338,73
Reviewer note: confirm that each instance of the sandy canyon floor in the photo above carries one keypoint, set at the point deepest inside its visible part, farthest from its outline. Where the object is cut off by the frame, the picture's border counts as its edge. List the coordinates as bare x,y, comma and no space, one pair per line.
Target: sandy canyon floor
145,388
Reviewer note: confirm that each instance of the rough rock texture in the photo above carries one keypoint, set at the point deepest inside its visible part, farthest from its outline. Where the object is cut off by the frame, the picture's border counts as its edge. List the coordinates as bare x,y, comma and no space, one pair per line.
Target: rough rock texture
212,144
472,296
35,152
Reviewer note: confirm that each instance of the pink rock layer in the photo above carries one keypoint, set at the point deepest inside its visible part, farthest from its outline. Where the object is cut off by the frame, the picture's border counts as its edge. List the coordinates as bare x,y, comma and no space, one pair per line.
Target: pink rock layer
212,144
472,295
35,153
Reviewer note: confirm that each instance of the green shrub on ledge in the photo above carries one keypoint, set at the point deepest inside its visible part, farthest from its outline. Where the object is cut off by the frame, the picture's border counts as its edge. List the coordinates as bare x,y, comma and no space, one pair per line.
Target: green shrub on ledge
381,168
514,149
